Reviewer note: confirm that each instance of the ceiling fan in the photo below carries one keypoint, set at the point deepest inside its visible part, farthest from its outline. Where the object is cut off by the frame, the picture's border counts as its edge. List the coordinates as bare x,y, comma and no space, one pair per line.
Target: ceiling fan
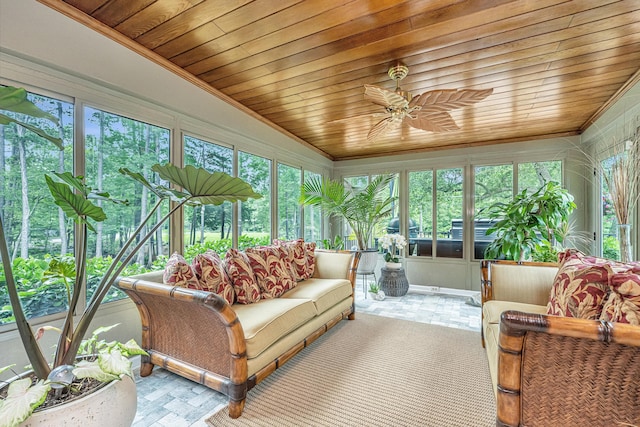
427,111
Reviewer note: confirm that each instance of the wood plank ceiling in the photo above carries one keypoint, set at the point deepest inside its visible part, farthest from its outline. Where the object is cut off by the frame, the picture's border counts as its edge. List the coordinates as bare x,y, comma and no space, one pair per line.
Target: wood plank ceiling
554,66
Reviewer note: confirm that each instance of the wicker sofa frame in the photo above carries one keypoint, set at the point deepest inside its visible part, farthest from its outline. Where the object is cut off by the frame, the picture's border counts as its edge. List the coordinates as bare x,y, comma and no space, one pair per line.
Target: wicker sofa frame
197,335
560,371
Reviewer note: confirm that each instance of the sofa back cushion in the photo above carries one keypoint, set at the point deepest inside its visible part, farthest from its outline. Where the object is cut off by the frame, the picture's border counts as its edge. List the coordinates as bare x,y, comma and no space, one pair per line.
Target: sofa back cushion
310,256
241,274
261,260
212,275
297,257
529,284
332,265
178,272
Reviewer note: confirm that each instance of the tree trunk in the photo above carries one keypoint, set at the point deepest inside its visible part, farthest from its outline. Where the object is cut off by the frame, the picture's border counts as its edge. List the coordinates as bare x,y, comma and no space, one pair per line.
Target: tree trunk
145,195
24,229
61,221
158,213
202,224
99,184
2,170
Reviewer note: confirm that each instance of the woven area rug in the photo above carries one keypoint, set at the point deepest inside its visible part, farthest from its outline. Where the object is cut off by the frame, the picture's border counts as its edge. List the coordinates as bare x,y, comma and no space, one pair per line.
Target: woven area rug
376,372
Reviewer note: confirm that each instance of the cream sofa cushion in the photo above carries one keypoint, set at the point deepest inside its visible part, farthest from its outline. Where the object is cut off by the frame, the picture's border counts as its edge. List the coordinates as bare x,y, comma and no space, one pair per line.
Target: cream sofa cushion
266,321
332,265
325,293
520,283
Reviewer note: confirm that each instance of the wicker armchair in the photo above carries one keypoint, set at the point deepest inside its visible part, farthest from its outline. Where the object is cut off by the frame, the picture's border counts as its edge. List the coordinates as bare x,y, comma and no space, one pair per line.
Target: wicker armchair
556,371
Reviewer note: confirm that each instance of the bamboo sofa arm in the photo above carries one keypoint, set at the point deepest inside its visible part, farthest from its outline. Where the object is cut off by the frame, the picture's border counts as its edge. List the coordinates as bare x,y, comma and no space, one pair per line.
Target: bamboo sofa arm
194,333
524,282
567,371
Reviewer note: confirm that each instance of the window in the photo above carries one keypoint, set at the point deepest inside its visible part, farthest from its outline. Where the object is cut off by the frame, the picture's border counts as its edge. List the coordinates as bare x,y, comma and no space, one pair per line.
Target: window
449,213
609,225
113,142
493,184
532,176
289,183
390,224
255,214
34,226
312,216
420,213
208,227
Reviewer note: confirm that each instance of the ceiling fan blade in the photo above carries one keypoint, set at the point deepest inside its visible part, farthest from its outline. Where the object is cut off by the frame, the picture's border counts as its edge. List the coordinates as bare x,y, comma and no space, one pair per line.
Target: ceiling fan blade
384,97
448,99
432,122
381,128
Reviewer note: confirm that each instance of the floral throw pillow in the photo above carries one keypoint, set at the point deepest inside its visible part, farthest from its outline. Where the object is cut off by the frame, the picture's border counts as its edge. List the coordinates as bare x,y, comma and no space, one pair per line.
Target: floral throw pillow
178,272
260,259
623,304
279,267
580,286
212,276
295,249
310,255
237,266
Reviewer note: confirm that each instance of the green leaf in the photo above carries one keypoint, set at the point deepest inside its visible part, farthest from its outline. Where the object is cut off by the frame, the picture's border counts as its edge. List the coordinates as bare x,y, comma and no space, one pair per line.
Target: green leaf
64,267
6,367
86,369
15,100
163,192
21,400
74,205
205,187
76,182
131,348
115,363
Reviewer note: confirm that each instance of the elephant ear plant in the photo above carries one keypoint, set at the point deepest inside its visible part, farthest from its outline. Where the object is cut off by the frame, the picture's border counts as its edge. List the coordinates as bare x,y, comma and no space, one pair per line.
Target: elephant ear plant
190,186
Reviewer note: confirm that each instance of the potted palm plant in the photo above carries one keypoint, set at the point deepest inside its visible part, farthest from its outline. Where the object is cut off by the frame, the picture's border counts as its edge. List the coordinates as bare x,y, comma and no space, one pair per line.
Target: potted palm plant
190,186
361,207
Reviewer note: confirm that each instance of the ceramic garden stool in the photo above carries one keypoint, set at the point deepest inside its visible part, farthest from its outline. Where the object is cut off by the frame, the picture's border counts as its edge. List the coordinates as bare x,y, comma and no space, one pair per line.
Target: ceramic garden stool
393,282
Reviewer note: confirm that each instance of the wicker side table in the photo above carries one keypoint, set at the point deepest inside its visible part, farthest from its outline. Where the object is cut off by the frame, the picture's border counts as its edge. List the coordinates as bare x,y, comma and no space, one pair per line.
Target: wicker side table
393,283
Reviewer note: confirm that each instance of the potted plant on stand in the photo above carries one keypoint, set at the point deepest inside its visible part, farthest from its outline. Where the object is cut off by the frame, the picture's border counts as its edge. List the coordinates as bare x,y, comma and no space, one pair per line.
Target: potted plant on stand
393,244
191,186
361,207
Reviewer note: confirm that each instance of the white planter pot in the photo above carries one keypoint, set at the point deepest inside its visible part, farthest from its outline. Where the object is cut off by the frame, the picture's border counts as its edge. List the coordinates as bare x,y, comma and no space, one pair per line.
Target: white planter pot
377,296
113,405
393,265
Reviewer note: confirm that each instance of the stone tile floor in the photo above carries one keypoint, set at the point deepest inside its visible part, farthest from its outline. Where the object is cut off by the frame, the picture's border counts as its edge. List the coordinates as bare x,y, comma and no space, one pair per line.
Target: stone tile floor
165,399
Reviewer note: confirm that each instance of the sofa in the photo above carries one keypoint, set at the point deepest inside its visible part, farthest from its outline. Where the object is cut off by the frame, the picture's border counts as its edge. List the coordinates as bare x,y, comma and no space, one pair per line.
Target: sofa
549,366
232,347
